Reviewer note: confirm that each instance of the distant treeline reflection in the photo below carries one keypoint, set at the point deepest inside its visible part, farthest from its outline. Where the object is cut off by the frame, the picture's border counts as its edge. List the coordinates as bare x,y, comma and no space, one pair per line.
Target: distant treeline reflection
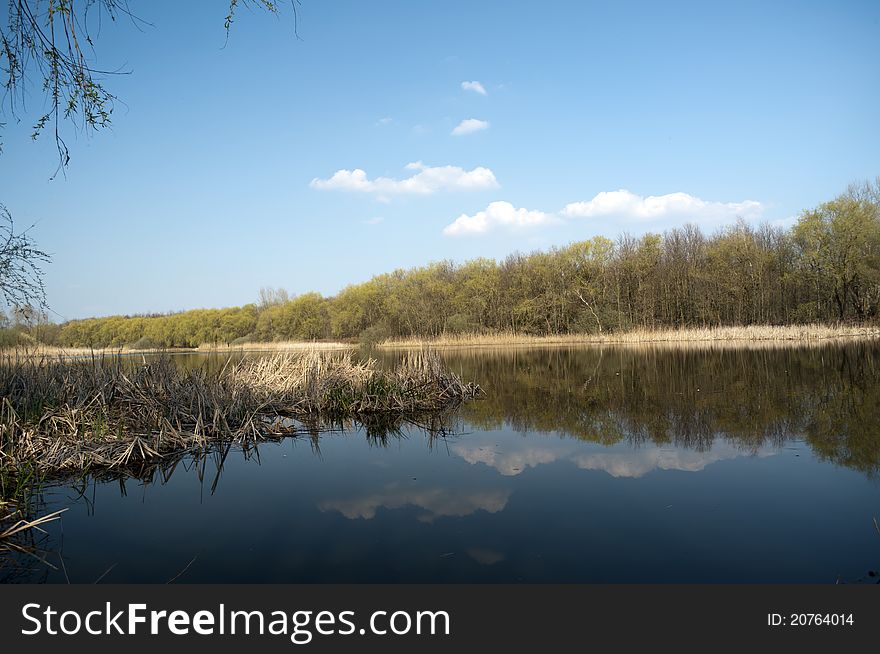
827,396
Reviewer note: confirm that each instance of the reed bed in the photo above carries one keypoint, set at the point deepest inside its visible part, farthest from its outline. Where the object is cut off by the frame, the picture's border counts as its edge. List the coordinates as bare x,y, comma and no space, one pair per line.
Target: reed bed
39,351
57,352
61,416
742,336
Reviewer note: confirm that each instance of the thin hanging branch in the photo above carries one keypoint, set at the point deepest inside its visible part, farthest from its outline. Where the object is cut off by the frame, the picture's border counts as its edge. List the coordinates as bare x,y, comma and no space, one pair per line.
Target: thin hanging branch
52,40
21,274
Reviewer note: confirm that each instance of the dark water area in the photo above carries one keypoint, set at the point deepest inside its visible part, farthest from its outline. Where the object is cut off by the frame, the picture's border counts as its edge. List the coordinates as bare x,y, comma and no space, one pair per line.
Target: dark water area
579,465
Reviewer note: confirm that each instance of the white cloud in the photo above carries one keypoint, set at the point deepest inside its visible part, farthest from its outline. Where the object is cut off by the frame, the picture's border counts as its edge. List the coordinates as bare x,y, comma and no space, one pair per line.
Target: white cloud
469,126
621,204
474,86
427,180
498,214
384,121
374,221
627,205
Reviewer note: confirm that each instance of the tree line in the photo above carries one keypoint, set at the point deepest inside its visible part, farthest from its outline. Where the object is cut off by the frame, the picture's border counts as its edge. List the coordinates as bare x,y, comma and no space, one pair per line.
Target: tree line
825,268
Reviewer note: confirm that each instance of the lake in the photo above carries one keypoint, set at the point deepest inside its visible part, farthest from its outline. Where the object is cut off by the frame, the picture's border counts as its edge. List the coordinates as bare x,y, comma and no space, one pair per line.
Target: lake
607,464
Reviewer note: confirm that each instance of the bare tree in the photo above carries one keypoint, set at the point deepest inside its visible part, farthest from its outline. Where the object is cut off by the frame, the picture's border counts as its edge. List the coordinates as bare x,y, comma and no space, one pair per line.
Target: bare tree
270,296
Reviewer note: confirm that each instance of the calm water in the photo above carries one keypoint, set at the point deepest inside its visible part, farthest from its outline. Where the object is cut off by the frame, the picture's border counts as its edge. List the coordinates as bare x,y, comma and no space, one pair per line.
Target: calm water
581,465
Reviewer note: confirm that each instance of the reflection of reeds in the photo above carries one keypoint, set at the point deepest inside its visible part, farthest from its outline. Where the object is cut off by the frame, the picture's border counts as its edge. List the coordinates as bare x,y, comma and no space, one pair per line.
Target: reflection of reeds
19,544
61,415
738,336
14,527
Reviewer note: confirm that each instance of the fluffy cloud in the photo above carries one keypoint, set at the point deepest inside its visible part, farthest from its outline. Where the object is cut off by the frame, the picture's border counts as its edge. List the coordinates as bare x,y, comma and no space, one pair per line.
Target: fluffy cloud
630,206
427,180
497,214
469,126
622,205
474,86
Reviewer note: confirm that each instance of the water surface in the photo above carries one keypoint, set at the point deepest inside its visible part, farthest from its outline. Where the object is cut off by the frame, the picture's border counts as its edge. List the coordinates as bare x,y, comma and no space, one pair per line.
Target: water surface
580,465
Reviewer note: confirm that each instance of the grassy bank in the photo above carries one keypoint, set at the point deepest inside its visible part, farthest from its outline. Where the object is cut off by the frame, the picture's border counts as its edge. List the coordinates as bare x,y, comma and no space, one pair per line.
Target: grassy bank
742,335
733,335
61,415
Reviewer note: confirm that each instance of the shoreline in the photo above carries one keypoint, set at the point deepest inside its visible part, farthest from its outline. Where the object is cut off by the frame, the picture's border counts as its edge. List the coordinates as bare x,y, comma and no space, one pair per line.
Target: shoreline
753,335
742,336
87,352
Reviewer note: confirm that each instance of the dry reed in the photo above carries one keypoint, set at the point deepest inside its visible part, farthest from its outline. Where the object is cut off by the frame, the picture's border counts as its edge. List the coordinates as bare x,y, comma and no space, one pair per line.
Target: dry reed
742,336
53,351
15,527
60,415
43,351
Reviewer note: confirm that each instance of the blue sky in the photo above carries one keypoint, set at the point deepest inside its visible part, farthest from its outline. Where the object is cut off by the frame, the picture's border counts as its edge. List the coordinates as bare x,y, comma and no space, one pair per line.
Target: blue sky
220,174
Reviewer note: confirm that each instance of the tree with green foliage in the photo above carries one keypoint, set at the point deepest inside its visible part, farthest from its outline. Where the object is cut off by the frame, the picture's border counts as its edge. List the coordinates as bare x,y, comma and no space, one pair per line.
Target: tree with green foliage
824,269
840,246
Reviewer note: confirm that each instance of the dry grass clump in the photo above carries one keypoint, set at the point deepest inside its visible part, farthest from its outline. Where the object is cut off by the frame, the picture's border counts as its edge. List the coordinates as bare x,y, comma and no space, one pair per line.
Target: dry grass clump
316,382
739,335
61,415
